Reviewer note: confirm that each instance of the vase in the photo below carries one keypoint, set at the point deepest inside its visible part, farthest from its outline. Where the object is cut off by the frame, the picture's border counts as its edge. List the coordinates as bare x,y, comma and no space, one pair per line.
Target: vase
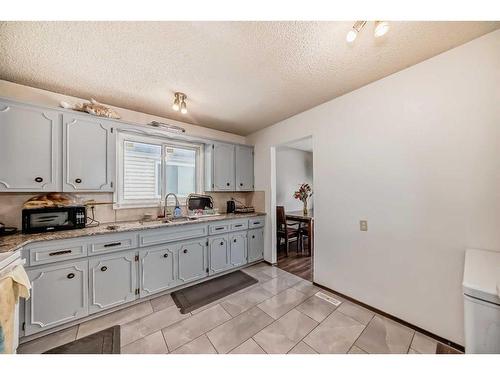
304,211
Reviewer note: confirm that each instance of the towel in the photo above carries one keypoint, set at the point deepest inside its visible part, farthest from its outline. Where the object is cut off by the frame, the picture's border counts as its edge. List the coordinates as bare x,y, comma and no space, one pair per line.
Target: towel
13,284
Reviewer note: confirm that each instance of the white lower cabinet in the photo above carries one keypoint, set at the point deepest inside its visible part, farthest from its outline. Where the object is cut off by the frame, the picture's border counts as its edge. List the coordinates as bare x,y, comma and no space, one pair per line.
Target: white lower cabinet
219,253
157,269
192,260
59,295
238,249
255,244
112,280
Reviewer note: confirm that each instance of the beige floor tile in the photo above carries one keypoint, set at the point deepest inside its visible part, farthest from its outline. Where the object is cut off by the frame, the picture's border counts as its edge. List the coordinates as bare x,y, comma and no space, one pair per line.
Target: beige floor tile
201,345
258,274
335,334
48,342
162,302
423,344
306,287
356,312
148,324
248,347
152,344
356,350
274,272
412,351
115,318
280,304
302,348
183,332
238,303
385,336
220,300
237,330
279,284
316,308
282,335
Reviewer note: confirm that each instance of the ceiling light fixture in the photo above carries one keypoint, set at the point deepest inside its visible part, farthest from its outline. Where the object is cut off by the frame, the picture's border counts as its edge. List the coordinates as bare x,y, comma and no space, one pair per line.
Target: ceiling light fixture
353,33
381,28
180,102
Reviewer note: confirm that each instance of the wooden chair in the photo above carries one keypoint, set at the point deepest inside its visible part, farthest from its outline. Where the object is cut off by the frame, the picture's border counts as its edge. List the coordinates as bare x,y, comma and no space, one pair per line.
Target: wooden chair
286,231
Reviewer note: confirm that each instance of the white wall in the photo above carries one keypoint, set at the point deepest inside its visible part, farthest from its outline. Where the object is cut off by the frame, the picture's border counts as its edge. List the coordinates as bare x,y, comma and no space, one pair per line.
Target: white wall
417,154
293,168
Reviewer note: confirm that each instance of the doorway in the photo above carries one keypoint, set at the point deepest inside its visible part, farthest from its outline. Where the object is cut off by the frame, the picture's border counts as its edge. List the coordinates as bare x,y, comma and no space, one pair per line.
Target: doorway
293,226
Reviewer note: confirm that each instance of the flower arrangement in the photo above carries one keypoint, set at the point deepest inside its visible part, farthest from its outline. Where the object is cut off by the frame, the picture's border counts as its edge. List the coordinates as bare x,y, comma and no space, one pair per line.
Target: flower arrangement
303,194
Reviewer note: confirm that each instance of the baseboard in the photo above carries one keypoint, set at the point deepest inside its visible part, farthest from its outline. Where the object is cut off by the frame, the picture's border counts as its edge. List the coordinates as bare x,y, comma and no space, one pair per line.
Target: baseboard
395,318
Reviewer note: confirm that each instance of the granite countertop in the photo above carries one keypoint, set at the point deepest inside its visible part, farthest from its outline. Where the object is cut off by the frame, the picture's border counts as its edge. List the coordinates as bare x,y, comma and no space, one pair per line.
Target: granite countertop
16,241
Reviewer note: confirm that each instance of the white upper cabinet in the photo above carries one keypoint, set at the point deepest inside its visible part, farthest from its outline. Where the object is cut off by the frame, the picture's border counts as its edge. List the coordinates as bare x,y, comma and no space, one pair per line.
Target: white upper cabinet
30,147
89,153
244,168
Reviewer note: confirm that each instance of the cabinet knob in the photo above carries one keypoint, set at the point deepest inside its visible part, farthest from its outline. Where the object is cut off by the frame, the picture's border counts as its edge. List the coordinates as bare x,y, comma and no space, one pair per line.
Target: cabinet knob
228,184
165,255
70,275
78,180
104,268
38,179
241,184
234,240
253,236
185,251
222,243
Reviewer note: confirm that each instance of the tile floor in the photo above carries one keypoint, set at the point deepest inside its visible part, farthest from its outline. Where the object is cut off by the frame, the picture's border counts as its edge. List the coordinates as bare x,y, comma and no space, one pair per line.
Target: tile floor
281,314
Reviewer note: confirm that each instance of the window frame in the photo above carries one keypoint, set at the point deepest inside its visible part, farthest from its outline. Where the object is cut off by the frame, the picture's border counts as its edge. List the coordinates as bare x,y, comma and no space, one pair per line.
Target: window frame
164,142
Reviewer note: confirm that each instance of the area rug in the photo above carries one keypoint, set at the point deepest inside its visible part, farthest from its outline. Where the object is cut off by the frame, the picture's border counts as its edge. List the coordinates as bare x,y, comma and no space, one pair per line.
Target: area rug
102,342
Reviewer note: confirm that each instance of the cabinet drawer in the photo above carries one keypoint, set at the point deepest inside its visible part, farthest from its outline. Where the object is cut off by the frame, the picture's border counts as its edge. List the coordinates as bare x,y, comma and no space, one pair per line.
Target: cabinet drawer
239,225
256,222
103,244
176,233
218,228
56,251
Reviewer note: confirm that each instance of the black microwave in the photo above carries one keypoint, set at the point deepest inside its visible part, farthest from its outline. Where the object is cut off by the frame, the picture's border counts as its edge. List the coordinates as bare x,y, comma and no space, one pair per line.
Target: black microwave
48,219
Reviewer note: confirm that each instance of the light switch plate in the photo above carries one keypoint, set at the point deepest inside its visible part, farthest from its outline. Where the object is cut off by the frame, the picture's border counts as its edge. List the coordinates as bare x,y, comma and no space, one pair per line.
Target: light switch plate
363,225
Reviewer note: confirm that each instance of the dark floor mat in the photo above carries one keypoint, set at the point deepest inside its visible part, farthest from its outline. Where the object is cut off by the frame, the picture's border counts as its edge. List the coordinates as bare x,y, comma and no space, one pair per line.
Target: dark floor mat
199,295
445,349
103,342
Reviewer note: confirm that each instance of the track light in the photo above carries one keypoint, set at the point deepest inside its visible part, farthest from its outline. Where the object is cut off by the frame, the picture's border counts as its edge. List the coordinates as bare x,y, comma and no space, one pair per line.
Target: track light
381,28
353,33
180,102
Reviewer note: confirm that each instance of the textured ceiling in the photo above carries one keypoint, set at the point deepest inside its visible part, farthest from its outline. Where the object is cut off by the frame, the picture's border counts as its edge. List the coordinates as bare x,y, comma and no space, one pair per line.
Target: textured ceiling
238,76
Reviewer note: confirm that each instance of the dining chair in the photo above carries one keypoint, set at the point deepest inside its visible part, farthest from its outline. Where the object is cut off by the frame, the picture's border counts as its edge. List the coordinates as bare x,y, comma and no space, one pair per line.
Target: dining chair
287,231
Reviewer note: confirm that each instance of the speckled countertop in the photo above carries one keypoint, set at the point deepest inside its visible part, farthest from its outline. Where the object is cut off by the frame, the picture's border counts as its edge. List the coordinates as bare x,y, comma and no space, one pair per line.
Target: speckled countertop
17,241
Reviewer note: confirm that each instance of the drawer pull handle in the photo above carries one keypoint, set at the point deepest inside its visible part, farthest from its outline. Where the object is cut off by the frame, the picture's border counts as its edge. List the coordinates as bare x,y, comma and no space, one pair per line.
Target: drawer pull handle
256,222
70,275
238,225
219,228
185,251
104,268
38,179
78,180
165,255
112,244
62,252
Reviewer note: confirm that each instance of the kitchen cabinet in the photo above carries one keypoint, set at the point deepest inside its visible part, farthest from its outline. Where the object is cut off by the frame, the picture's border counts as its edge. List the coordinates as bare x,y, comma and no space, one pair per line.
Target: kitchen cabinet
218,253
238,249
88,154
244,168
220,167
255,244
59,294
192,260
30,147
157,269
112,280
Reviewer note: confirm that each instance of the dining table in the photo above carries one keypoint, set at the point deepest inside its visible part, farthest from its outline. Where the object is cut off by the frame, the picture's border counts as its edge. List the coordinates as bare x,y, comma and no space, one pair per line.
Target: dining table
308,220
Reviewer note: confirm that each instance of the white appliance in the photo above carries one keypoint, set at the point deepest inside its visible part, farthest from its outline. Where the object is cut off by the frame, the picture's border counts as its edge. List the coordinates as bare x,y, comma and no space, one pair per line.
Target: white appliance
481,288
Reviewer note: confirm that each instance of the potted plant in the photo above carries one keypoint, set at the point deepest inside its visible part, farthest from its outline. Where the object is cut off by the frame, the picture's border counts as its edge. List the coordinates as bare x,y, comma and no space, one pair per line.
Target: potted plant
303,194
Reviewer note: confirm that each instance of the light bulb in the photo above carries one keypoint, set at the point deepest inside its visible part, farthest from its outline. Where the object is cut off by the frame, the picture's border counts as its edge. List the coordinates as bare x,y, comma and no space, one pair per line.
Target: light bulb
183,108
351,36
175,106
381,28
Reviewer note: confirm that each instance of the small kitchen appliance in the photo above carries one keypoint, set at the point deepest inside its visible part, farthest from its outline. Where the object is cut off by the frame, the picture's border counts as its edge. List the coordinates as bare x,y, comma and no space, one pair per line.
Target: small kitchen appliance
48,219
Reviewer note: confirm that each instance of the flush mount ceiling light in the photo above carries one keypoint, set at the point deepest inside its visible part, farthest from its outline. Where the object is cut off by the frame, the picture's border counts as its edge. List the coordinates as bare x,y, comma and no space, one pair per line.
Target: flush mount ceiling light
381,28
180,102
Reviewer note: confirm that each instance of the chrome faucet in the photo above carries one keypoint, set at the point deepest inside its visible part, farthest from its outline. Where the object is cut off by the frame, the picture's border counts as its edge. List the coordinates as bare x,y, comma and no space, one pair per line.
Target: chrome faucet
177,209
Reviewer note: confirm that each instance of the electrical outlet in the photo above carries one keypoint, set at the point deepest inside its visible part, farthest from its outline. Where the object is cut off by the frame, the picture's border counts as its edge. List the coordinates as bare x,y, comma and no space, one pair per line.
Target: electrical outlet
363,225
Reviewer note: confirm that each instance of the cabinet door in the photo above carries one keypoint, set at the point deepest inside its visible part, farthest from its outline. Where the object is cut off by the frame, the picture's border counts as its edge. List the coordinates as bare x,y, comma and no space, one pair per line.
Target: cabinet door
223,167
218,250
238,248
244,168
30,148
157,269
255,244
89,154
112,280
192,260
59,294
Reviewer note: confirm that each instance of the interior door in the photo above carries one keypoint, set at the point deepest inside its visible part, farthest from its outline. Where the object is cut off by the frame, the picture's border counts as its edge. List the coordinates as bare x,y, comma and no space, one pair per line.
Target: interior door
244,168
158,271
59,294
218,250
29,148
255,244
223,167
238,244
113,280
192,260
89,154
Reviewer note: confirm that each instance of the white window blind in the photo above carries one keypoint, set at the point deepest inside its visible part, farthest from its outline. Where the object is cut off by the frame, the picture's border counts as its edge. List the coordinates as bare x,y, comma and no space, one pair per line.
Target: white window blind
141,171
